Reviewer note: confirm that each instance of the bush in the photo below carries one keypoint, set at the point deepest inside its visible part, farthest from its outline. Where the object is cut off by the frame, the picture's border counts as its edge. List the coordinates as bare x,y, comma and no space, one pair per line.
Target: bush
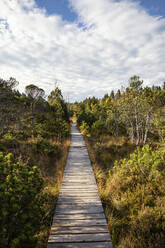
135,197
84,128
9,140
41,145
98,128
1,147
21,203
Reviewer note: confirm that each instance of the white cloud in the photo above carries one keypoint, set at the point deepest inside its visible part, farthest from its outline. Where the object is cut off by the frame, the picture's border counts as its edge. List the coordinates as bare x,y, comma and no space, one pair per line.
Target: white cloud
116,39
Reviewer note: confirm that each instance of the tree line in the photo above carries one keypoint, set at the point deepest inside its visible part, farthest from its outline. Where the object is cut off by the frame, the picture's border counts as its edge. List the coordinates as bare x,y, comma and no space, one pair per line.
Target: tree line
136,112
30,113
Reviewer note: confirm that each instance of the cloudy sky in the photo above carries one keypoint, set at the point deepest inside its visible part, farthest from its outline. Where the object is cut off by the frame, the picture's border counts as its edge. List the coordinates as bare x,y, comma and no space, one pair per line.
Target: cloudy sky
88,47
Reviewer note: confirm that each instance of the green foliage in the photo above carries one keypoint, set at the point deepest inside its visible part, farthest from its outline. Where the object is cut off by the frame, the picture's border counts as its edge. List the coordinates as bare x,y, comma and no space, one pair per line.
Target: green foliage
57,103
97,127
40,145
135,192
2,148
31,115
9,141
21,203
84,128
35,131
34,92
135,83
159,123
131,112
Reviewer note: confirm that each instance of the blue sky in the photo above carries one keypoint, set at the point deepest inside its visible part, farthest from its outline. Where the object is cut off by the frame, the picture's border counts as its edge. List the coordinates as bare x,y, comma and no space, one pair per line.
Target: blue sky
61,7
154,7
89,47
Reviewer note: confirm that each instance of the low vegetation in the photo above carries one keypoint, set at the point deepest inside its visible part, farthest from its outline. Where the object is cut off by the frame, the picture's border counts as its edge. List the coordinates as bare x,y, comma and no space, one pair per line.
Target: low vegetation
134,197
22,203
34,141
125,135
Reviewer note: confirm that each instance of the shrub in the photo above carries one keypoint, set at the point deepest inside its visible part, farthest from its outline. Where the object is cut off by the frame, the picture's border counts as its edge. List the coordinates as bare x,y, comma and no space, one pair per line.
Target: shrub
84,128
1,147
9,140
98,128
21,203
136,195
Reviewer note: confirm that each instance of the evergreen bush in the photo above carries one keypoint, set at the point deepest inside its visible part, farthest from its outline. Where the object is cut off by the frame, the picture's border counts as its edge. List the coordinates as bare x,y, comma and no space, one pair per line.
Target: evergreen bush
135,191
21,203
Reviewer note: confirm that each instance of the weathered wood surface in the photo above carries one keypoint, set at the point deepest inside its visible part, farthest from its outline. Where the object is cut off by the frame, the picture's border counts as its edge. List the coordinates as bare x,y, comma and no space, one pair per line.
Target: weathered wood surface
79,220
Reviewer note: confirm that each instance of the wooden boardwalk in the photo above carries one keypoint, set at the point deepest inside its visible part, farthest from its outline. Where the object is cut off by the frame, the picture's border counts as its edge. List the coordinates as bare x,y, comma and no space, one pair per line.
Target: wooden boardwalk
79,220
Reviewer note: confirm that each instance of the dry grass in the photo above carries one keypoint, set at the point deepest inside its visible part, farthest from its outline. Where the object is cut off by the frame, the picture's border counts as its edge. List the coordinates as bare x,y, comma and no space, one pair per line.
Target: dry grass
134,210
53,177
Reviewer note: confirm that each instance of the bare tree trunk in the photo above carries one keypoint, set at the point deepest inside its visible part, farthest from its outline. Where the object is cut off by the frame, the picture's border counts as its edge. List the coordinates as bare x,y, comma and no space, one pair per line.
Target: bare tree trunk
32,118
137,129
8,115
132,133
142,136
146,128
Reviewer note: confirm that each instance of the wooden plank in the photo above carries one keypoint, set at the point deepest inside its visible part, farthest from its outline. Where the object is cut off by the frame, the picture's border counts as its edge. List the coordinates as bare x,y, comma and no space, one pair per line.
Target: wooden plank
81,190
79,216
76,199
78,206
83,176
90,183
76,192
81,198
80,193
80,181
75,173
79,237
85,164
77,222
79,170
81,245
73,165
79,229
68,200
78,211
78,187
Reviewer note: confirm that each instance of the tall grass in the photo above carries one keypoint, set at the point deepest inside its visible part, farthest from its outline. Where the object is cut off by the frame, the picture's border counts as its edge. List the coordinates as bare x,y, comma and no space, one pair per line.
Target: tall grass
132,191
53,174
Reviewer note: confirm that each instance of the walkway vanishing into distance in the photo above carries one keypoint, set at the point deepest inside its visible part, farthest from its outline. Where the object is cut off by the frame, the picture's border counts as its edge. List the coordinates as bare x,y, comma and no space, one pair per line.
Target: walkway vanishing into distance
79,220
